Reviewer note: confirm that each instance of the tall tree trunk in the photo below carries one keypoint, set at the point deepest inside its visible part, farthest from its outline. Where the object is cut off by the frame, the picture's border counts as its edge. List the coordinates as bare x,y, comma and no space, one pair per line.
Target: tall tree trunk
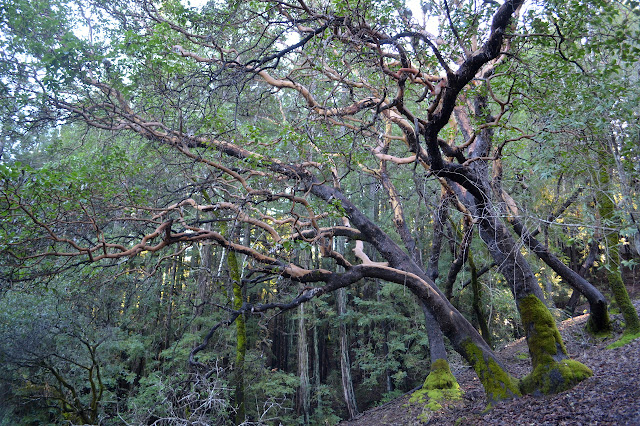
241,337
303,401
477,303
584,269
168,298
345,363
316,361
203,279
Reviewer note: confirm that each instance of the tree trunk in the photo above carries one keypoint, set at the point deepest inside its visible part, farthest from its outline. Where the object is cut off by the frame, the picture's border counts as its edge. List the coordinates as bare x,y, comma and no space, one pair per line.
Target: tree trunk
584,269
203,279
316,362
599,318
345,363
303,400
168,293
606,208
477,303
436,339
241,338
553,371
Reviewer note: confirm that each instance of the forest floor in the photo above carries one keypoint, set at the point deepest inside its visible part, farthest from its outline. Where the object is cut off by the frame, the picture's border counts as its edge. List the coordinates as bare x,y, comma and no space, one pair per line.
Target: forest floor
610,397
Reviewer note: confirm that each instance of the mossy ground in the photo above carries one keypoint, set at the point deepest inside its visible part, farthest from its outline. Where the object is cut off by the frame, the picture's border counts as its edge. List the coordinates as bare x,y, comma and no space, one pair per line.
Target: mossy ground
623,340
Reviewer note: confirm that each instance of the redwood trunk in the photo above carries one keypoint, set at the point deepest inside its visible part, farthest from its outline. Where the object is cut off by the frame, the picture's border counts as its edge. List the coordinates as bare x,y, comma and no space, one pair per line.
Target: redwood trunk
345,362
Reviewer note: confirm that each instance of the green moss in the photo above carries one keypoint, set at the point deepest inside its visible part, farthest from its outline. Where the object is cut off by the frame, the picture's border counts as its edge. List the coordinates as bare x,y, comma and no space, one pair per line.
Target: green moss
439,385
552,370
554,377
626,338
621,296
441,376
543,337
498,384
429,398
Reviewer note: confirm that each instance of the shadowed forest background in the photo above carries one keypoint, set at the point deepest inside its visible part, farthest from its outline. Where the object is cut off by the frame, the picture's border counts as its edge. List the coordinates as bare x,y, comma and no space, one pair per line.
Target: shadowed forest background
265,212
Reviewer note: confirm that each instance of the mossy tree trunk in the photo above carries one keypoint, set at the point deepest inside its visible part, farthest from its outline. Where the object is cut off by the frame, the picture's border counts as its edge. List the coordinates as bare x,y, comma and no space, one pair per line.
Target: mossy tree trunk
440,383
599,318
607,210
552,370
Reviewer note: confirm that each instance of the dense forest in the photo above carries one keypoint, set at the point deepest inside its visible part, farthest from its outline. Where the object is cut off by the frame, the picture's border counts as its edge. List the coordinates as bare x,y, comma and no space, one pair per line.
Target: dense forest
289,212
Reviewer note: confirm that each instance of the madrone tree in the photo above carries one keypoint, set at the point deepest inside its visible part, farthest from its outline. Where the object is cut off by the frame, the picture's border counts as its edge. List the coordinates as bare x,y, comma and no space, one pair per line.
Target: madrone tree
280,108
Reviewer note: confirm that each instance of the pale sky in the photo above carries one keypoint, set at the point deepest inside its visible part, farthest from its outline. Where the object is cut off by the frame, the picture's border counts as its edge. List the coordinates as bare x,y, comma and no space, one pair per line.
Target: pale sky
414,5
